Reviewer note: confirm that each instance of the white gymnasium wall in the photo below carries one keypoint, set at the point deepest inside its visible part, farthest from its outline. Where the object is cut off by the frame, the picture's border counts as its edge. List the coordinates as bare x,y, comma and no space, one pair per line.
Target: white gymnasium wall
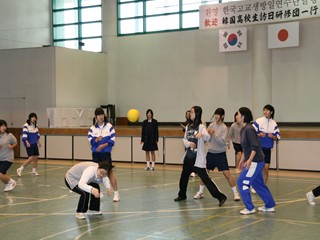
295,77
35,79
81,78
25,24
170,72
27,84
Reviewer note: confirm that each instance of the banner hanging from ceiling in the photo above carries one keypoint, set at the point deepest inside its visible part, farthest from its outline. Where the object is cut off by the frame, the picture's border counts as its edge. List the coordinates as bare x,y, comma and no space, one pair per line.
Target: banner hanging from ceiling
244,13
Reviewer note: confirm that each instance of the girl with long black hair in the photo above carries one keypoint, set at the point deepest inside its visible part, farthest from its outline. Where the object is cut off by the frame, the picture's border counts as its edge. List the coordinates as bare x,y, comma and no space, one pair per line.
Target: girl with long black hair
195,157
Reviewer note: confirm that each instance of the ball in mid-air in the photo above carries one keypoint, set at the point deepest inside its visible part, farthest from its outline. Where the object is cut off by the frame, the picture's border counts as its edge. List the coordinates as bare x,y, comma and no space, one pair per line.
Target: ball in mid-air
133,115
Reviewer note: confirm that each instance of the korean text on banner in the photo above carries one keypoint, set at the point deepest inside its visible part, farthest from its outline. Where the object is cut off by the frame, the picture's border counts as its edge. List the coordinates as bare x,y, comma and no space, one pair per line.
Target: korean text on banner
250,12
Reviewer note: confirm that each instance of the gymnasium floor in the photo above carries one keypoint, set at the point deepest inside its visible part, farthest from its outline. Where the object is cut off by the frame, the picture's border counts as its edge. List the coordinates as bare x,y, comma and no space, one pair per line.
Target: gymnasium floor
43,208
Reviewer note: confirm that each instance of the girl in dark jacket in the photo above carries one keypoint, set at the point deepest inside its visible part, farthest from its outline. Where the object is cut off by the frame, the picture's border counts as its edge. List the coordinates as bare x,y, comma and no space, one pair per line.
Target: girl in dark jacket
149,138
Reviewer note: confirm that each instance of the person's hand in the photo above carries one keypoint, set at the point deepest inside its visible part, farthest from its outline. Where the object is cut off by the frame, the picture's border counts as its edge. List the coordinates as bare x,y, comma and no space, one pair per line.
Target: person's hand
270,135
98,139
211,131
198,135
95,192
247,164
192,145
262,134
141,142
10,146
240,167
109,192
39,144
28,144
102,146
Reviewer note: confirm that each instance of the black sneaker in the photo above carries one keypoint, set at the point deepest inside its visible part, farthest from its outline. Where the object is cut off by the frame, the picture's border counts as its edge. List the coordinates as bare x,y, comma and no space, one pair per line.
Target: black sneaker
222,200
178,199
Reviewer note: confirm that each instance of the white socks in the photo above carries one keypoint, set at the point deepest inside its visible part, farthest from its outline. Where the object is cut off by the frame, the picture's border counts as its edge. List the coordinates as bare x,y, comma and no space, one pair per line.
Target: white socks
234,189
201,188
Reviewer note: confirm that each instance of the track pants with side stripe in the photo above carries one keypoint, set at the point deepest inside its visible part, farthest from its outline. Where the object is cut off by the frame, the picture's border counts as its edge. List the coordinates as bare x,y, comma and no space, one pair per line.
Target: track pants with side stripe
254,177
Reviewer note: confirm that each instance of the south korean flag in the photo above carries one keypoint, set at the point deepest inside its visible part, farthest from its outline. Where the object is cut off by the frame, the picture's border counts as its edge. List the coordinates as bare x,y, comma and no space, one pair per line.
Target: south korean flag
233,39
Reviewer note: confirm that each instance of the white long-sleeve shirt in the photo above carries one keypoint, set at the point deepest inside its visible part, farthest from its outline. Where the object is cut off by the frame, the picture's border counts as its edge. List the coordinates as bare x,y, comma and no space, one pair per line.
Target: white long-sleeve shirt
83,173
201,161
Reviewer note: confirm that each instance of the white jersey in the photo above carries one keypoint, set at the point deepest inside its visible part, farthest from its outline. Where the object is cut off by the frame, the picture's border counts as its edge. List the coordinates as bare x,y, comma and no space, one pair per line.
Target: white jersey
83,173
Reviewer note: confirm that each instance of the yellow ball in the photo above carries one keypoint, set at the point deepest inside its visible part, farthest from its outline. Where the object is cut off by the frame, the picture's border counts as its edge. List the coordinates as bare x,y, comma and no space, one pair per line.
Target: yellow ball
133,115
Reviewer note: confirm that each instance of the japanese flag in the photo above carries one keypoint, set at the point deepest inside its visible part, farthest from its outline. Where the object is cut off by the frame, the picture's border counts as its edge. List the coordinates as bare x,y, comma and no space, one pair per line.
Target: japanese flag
234,39
283,35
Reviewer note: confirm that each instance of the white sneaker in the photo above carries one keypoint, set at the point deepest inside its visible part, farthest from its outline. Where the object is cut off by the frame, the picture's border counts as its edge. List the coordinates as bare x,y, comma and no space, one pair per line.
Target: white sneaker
35,174
311,198
252,190
80,215
265,209
193,174
10,186
247,212
19,172
199,195
116,197
236,197
93,212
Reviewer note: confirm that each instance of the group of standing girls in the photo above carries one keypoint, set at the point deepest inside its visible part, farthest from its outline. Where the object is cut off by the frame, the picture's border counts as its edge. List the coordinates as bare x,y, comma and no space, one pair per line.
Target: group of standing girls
250,159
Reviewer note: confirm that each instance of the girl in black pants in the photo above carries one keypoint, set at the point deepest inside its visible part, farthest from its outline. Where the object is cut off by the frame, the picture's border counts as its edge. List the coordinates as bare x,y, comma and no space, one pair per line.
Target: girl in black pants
195,157
83,179
311,196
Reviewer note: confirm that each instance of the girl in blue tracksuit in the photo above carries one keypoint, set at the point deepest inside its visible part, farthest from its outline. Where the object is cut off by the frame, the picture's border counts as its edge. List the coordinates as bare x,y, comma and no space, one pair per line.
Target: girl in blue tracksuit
31,140
268,132
252,161
102,137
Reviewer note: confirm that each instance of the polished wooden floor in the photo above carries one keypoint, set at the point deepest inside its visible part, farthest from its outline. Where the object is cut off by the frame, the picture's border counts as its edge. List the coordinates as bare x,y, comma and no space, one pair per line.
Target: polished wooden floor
43,208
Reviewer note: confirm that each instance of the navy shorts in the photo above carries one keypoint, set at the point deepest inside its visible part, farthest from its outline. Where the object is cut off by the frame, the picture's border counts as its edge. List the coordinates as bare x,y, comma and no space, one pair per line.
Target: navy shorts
33,150
267,155
218,160
101,156
4,166
237,147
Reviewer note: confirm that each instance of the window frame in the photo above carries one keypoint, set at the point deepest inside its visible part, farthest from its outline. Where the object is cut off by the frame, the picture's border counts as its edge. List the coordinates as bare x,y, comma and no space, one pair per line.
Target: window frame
78,23
144,17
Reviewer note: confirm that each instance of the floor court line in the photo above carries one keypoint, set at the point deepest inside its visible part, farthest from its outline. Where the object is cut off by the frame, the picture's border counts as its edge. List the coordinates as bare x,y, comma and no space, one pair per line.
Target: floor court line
159,205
